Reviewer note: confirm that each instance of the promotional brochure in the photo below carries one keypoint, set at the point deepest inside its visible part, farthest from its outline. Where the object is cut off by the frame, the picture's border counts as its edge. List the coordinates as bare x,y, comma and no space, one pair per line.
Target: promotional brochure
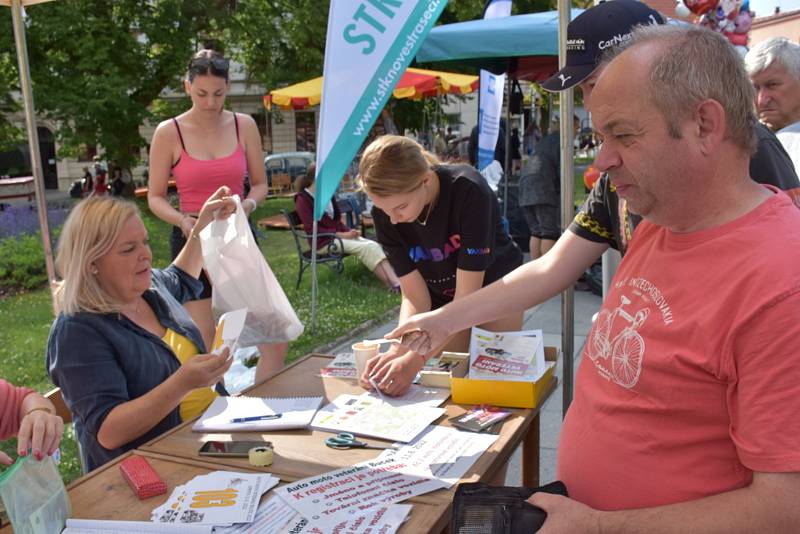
517,356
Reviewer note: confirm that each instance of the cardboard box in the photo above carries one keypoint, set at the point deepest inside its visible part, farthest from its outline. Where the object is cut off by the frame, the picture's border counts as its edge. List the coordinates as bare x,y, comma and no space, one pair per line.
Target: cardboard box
437,378
504,393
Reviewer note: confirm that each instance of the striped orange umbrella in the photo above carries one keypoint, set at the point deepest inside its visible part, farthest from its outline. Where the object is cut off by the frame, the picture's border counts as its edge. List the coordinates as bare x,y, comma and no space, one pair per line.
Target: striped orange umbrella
415,84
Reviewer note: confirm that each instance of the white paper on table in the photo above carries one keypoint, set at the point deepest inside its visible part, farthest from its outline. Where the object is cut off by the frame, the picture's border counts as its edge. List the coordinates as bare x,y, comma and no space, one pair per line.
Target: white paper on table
327,499
217,498
105,526
416,396
271,516
445,454
513,356
370,416
383,520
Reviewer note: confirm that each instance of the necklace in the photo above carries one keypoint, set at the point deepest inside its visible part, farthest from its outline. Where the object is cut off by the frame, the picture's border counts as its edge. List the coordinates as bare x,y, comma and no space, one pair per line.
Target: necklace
428,211
135,310
427,214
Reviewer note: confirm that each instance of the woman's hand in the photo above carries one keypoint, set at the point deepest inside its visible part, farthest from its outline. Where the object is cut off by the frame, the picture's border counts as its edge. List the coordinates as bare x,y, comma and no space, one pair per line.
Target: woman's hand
393,371
40,431
423,333
220,205
352,234
186,225
204,370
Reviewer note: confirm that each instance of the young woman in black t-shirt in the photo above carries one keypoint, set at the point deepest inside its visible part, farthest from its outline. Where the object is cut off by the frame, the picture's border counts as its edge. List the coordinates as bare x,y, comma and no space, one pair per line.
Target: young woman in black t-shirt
441,230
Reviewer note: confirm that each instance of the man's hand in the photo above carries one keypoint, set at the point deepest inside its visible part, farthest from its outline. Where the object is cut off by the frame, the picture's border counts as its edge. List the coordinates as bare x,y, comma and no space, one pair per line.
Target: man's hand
566,516
423,333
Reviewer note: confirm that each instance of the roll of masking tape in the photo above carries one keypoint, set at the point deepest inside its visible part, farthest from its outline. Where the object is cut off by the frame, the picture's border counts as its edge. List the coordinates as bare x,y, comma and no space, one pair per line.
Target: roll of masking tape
260,456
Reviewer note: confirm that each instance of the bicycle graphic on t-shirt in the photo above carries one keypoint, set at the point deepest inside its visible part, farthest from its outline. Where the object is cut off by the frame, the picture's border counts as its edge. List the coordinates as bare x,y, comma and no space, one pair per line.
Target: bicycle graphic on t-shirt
626,349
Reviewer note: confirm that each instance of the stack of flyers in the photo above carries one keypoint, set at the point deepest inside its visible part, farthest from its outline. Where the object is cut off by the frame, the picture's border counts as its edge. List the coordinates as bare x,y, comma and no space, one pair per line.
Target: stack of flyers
517,356
217,498
486,419
343,366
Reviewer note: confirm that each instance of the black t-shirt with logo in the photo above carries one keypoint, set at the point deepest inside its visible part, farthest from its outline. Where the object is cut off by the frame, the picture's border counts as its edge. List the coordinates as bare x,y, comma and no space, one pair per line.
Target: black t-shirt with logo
463,231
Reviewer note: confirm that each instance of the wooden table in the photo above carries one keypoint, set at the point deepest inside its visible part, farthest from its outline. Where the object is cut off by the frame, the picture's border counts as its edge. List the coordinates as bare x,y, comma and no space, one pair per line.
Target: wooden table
104,494
302,453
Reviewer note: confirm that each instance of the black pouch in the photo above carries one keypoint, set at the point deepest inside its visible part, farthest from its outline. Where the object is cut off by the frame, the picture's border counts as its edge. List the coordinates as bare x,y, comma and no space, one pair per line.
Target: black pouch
482,509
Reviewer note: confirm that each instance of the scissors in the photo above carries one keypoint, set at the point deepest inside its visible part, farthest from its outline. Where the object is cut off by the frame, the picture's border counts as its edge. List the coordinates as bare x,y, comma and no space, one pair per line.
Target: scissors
346,440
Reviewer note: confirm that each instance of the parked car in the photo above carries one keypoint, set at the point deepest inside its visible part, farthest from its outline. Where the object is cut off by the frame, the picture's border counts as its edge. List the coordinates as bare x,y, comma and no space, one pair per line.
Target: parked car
292,163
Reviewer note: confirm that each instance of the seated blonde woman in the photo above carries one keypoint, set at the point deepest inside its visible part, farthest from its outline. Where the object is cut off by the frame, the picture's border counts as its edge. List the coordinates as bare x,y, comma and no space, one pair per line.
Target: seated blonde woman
127,356
367,251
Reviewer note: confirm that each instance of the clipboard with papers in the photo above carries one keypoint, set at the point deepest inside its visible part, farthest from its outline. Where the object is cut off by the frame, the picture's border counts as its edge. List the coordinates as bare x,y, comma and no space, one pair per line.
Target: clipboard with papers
247,414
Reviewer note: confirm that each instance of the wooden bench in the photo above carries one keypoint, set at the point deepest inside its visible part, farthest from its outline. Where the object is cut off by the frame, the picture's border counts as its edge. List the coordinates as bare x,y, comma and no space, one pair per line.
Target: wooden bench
17,188
141,192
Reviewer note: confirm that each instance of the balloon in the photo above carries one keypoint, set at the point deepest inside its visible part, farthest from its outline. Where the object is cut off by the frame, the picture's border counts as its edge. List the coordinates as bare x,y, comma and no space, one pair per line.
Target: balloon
743,22
682,11
737,39
699,7
729,8
590,176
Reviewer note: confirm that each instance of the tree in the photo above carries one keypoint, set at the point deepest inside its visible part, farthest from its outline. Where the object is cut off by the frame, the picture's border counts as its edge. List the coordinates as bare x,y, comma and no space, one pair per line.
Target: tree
9,82
282,42
463,10
98,65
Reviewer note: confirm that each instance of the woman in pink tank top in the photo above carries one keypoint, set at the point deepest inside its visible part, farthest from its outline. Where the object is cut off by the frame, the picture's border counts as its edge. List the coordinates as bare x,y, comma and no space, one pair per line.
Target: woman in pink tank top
203,149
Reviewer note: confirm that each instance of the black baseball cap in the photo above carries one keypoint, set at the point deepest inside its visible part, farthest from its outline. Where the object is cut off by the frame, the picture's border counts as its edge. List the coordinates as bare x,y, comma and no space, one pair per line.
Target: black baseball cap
594,31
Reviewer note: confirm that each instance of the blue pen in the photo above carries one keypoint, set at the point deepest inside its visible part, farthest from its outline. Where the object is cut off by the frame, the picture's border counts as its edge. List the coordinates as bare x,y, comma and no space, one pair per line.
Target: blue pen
256,418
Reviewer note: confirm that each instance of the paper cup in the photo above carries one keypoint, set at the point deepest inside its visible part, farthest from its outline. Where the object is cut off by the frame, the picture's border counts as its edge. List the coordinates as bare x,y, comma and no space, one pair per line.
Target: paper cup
362,353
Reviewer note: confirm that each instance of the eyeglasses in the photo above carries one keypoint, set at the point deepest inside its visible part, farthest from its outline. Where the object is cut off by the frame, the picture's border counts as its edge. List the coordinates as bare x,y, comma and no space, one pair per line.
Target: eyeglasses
219,64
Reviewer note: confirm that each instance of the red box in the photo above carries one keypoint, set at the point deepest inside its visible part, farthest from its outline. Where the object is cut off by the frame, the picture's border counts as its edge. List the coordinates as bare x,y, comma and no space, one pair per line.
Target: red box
142,478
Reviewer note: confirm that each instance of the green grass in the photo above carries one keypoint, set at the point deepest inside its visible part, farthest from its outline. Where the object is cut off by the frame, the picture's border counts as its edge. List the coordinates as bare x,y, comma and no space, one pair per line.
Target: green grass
343,303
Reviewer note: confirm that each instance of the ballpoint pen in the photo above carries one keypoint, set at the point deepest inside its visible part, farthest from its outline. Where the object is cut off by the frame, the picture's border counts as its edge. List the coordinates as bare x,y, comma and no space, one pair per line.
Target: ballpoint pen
256,418
377,389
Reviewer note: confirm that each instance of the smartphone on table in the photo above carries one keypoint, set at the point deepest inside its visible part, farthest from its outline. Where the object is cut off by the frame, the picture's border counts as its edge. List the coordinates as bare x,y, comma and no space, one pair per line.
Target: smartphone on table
236,449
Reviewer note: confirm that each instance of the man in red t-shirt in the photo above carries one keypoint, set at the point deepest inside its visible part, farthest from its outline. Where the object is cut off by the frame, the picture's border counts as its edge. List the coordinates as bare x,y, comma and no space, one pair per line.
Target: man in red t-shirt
685,414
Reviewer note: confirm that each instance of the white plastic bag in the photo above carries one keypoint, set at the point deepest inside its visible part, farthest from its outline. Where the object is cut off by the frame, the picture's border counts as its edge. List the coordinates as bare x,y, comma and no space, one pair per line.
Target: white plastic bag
493,173
34,496
241,278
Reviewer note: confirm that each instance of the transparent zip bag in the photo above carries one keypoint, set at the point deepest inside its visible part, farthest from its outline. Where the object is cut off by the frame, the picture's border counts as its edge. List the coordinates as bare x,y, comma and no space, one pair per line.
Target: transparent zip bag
34,496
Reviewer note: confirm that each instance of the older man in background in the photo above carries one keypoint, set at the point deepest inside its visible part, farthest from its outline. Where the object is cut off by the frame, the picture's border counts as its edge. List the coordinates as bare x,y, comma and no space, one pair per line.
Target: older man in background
774,67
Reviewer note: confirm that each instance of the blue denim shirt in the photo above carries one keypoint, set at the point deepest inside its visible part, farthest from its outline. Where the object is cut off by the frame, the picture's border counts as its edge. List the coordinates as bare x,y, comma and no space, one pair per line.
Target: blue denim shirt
103,360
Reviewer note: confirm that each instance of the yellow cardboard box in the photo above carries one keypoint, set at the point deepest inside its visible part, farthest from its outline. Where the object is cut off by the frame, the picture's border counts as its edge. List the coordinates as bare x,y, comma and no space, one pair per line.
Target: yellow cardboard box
502,392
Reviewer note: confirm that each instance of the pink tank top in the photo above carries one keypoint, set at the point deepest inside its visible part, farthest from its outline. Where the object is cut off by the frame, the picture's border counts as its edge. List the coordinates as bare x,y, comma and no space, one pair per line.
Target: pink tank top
198,179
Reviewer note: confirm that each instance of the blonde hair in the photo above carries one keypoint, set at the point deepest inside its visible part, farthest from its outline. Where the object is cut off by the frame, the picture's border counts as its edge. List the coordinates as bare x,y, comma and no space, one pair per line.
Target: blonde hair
89,233
394,164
